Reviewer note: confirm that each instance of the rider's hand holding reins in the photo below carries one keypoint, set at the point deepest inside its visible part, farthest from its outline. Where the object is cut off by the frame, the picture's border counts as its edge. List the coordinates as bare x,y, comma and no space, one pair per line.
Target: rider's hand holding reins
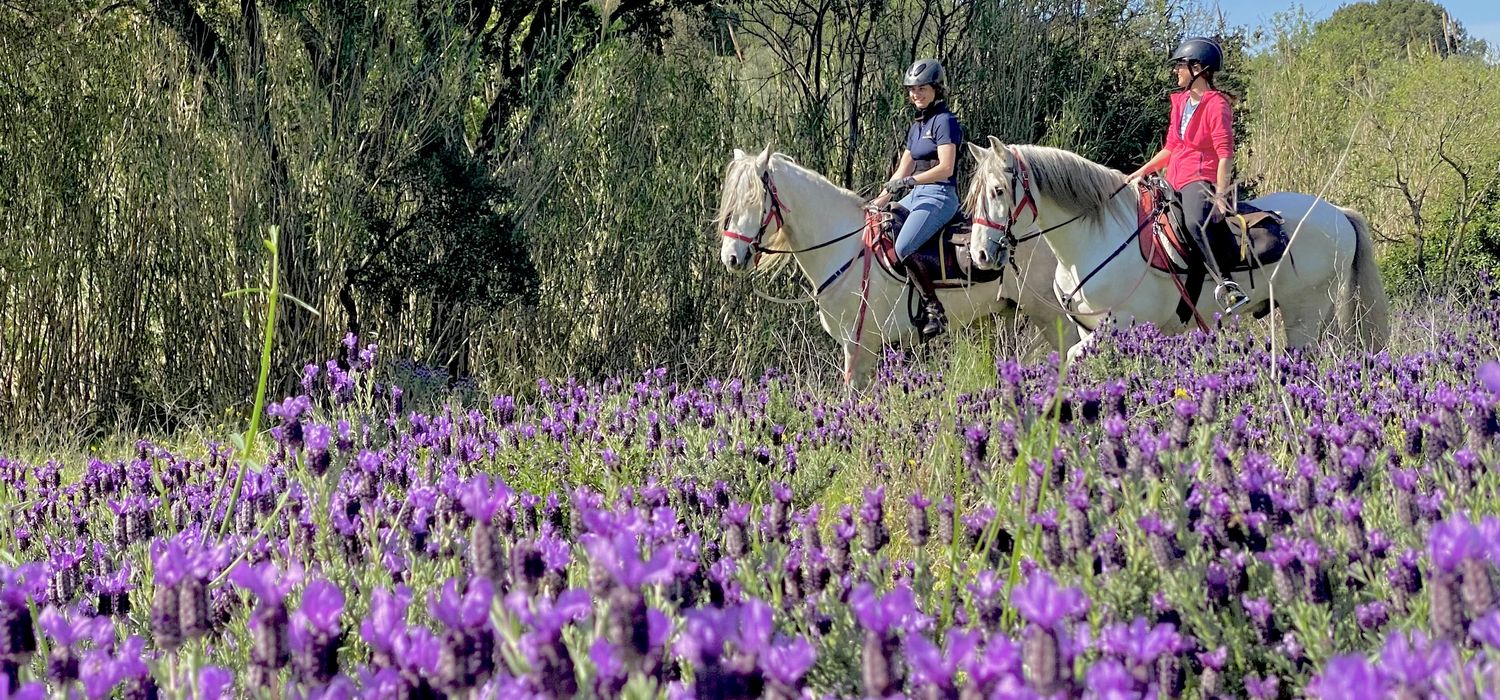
899,186
1222,207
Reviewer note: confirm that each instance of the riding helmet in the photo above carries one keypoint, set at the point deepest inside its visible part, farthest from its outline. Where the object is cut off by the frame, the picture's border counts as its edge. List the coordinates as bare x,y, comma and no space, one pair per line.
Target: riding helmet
1202,49
926,71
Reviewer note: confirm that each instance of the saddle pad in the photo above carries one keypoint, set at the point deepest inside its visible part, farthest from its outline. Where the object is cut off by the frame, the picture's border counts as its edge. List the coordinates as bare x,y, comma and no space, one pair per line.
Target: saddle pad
948,250
1251,239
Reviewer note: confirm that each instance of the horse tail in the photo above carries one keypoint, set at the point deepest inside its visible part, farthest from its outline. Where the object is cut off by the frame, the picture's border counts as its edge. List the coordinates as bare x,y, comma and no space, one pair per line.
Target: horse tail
1365,309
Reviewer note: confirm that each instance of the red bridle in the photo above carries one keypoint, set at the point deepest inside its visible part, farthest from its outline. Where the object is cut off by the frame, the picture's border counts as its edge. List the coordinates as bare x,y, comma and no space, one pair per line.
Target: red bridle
1021,183
772,214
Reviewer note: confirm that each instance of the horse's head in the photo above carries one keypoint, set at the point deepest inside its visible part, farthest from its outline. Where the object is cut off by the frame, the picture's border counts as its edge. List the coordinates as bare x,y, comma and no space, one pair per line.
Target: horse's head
999,194
749,209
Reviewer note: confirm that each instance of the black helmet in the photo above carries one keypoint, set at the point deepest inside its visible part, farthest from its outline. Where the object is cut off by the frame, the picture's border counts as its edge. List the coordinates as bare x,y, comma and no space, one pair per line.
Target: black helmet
1202,49
926,71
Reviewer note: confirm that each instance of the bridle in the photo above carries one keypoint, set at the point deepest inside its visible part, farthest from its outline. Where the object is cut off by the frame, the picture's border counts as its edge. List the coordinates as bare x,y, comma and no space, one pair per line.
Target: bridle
775,213
1020,182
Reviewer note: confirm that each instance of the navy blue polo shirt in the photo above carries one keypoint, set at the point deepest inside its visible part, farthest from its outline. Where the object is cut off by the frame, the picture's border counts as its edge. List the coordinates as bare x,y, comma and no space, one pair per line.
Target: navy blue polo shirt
934,127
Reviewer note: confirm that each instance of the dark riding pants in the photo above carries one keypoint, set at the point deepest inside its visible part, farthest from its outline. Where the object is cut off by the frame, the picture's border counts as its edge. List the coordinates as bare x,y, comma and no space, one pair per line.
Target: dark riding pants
1197,209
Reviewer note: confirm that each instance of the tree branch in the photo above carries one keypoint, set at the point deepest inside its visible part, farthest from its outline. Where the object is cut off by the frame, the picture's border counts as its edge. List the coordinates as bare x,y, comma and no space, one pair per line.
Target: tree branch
202,41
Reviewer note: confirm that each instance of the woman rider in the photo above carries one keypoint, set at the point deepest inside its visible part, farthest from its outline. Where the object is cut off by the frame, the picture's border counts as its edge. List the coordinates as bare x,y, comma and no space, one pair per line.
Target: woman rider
928,169
1199,153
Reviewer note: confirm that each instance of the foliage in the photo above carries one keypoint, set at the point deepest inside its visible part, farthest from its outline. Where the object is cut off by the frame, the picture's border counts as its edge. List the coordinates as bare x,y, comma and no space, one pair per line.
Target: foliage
504,188
1366,33
495,188
1405,136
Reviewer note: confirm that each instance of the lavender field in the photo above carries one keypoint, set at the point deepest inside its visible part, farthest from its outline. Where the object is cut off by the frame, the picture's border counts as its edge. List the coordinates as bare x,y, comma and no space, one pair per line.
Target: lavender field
1193,519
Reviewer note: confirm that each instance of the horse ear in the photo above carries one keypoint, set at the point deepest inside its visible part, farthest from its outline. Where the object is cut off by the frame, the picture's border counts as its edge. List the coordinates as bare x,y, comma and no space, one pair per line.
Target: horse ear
976,150
763,160
738,154
996,144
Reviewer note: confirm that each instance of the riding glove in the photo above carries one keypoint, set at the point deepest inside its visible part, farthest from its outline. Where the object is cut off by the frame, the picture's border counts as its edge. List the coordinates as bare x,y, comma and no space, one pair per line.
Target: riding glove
899,186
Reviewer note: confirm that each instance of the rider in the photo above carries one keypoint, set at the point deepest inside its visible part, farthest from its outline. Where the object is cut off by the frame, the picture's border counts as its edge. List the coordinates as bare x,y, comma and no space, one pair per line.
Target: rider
928,169
1199,153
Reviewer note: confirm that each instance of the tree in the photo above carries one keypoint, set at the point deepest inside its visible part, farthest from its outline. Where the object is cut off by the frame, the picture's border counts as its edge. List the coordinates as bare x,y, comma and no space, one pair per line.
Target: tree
1369,32
1416,121
420,104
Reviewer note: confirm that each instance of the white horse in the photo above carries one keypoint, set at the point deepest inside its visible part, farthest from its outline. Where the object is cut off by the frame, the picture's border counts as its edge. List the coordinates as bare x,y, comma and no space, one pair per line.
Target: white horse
1326,280
770,203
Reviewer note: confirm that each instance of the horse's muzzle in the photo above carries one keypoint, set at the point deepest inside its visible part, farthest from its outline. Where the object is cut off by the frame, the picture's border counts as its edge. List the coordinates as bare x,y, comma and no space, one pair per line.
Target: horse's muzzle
987,255
735,260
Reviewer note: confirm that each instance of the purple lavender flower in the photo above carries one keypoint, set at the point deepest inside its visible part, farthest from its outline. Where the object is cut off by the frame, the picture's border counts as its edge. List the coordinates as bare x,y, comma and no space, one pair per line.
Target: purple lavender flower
986,598
1000,660
1489,376
705,632
483,499
552,663
1262,688
417,653
267,582
462,611
934,667
620,557
385,622
1042,602
1415,663
1140,642
29,691
1108,679
917,525
270,645
1452,541
976,447
1372,616
883,614
215,683
786,662
872,532
1486,630
547,617
62,664
315,632
1213,667
70,632
1347,677
290,412
610,672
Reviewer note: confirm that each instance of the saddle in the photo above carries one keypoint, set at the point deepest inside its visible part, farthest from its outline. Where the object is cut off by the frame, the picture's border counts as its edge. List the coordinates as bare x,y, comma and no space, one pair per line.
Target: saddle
947,250
1253,238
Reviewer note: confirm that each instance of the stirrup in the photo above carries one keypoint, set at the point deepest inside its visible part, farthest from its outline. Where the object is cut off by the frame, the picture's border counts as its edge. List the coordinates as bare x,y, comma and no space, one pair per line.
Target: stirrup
934,316
1230,296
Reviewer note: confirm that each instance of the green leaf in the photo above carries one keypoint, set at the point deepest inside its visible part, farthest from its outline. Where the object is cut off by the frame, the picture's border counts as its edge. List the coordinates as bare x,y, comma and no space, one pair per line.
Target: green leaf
301,303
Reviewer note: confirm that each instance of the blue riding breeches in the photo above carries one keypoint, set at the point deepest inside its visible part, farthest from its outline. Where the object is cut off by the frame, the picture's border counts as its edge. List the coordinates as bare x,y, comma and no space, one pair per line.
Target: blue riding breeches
931,207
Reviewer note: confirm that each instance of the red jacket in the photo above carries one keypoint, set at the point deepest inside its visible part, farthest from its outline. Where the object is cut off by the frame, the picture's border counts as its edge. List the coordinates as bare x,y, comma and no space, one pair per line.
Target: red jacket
1209,139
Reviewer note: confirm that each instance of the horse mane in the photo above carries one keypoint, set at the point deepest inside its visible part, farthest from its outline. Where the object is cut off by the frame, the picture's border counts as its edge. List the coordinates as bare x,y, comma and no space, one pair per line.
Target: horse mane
742,190
1075,183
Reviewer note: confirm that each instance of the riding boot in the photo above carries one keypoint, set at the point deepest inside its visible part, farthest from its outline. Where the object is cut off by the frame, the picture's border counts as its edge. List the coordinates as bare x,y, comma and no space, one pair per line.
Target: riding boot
1228,292
922,276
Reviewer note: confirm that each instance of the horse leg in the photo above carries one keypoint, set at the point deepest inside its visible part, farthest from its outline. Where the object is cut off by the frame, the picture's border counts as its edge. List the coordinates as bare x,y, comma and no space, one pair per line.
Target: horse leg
859,364
1085,343
1087,339
1063,333
1305,323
